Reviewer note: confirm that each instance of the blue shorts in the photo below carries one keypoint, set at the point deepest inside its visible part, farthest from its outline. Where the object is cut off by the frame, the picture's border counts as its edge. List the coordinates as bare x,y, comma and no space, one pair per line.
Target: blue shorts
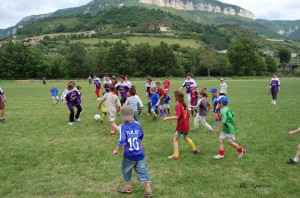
140,168
154,107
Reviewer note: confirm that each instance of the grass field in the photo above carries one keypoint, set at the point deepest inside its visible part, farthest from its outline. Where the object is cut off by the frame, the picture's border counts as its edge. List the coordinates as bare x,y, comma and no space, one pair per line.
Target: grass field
41,156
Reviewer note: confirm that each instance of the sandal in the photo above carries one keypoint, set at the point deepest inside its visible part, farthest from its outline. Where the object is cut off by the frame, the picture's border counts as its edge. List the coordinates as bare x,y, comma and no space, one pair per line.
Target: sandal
112,134
149,194
126,190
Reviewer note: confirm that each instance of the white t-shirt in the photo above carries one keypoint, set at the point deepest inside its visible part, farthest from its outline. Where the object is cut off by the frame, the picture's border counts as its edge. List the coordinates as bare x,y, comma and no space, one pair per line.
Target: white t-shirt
223,88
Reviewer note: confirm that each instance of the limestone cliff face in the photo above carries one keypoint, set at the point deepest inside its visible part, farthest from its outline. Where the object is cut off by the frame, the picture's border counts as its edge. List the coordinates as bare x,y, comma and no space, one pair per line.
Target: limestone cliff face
179,5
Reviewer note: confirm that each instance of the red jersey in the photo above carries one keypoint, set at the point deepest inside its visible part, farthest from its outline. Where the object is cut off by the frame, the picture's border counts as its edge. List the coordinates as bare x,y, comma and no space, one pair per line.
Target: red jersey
166,84
161,93
194,97
183,124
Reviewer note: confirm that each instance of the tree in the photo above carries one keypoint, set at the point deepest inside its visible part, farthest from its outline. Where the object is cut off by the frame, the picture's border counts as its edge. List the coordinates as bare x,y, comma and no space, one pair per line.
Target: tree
205,59
76,58
243,57
270,64
141,54
284,55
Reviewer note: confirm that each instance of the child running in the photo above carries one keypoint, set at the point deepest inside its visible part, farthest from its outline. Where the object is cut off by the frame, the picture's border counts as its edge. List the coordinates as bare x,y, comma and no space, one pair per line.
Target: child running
72,98
2,105
154,100
183,126
167,102
131,136
103,109
204,108
135,102
194,98
228,128
54,93
149,84
123,88
162,99
214,101
296,159
97,83
106,83
112,106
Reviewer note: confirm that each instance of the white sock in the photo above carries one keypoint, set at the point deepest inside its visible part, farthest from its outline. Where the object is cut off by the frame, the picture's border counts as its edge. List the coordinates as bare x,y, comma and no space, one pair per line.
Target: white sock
296,159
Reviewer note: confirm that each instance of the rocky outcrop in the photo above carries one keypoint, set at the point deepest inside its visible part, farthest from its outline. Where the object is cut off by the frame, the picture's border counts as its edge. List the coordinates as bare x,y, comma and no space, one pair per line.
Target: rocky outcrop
179,5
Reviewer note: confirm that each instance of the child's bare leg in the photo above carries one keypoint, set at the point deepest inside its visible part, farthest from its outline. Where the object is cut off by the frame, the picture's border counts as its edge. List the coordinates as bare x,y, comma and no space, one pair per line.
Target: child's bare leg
148,187
112,123
2,113
238,148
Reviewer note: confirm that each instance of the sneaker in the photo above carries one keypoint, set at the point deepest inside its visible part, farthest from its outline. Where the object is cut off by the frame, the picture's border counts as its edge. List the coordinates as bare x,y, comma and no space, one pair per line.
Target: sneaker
291,161
112,134
78,120
154,118
240,155
196,150
71,123
218,157
2,120
211,131
173,157
274,102
148,114
195,130
98,98
101,120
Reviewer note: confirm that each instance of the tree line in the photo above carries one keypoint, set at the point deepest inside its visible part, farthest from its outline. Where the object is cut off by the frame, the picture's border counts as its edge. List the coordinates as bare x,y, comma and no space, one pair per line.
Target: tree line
73,60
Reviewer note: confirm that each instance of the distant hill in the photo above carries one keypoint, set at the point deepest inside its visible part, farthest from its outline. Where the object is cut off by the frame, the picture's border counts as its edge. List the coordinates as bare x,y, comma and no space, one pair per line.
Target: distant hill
201,11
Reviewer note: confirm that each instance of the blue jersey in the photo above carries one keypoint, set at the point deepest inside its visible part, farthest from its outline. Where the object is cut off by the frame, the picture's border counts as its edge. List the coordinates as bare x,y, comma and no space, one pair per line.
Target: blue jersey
154,99
131,135
167,100
54,92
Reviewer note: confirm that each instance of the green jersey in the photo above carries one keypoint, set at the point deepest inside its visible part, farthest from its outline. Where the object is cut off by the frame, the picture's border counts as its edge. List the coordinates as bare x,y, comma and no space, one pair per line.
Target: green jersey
227,118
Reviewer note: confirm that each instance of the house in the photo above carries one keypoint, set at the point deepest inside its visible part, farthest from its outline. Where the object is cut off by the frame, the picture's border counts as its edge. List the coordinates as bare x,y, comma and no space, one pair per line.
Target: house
293,64
90,33
164,28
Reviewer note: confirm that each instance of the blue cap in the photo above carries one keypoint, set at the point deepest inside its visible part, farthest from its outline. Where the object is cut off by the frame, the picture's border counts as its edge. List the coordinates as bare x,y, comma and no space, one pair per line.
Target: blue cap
214,90
223,100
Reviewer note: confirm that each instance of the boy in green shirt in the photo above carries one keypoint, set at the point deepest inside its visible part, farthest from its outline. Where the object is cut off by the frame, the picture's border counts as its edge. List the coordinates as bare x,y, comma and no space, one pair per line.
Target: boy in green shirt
228,128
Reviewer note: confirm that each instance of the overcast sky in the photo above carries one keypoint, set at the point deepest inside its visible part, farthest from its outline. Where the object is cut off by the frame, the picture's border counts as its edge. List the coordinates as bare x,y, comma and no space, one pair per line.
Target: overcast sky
12,11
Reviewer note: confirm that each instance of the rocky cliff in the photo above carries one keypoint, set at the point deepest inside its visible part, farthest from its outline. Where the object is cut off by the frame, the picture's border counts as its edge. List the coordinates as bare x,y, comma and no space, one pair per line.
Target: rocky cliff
180,5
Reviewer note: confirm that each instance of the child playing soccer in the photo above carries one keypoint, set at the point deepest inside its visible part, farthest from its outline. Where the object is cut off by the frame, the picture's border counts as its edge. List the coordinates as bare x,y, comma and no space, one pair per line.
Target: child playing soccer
194,98
149,84
167,83
72,98
296,159
154,100
135,102
54,93
162,99
106,83
183,126
97,83
103,109
131,136
2,105
187,83
204,108
112,106
123,88
214,100
228,128
167,102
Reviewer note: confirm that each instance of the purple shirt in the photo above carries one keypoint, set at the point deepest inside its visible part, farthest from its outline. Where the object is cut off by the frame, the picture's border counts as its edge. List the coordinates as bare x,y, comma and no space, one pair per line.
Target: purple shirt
106,85
275,83
188,83
131,134
1,93
72,97
123,88
97,82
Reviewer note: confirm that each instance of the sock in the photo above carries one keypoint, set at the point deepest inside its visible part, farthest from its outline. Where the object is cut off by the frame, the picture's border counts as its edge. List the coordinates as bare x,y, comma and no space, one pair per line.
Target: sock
221,152
191,143
153,114
176,153
162,112
240,149
192,112
196,111
296,159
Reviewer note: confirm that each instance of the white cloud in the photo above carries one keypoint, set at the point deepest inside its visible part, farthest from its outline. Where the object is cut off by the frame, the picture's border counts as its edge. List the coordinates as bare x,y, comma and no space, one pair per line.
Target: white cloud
271,10
12,11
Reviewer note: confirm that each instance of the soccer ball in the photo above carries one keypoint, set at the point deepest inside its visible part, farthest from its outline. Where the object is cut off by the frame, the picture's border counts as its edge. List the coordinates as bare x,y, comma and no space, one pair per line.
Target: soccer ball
97,117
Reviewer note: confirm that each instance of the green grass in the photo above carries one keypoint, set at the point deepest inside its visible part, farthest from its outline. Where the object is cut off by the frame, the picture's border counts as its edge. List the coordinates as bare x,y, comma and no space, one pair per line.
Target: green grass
41,156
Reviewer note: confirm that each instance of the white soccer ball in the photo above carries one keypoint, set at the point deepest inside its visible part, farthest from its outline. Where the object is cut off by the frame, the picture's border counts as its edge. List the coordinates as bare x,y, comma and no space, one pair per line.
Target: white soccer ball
97,117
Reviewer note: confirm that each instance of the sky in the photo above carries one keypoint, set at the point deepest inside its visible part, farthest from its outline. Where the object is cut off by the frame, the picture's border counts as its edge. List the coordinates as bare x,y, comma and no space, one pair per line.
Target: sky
12,11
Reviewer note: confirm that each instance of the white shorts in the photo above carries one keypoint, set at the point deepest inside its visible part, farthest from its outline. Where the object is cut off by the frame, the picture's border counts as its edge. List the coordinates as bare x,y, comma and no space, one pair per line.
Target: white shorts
166,105
229,137
111,117
55,97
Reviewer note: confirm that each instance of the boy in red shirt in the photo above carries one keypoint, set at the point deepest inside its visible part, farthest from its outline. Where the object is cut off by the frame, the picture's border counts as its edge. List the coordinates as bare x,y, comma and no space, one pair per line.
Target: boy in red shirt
194,98
167,83
183,126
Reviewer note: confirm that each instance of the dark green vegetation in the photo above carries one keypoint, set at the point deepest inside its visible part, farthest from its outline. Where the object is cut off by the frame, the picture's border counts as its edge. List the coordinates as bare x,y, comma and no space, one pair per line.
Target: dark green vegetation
41,156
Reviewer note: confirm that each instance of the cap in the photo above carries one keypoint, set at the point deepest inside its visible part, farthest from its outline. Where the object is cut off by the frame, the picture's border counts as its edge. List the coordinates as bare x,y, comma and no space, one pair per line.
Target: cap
223,100
126,113
193,85
222,79
214,90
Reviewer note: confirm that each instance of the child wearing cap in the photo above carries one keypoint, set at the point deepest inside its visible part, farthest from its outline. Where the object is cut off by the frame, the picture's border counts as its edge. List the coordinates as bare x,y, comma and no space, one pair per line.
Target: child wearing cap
214,100
296,159
228,128
2,105
131,136
167,102
194,98
223,87
204,108
183,126
112,106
